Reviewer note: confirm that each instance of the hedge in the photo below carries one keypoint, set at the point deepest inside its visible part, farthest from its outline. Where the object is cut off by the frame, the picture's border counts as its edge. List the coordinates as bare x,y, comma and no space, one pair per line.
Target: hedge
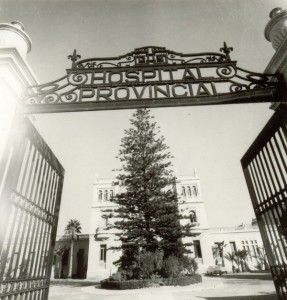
139,284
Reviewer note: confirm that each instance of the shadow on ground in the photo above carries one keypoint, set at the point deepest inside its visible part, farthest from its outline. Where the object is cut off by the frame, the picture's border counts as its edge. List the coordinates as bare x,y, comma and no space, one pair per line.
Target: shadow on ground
72,283
261,276
266,276
264,296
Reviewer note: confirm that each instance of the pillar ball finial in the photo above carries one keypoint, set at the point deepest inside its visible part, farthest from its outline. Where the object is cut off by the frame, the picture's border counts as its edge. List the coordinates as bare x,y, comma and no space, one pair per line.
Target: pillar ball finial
276,29
18,24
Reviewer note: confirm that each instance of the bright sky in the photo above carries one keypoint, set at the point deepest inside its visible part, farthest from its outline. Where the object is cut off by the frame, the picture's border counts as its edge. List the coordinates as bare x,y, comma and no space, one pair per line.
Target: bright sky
211,139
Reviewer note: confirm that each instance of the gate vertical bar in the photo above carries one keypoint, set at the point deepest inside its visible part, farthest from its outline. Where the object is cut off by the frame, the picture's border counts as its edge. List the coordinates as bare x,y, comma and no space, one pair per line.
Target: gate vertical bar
265,170
31,198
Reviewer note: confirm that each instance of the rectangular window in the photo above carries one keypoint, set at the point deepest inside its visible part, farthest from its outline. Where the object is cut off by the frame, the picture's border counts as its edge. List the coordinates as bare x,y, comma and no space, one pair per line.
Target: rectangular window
254,251
194,191
104,222
197,249
249,254
232,246
103,253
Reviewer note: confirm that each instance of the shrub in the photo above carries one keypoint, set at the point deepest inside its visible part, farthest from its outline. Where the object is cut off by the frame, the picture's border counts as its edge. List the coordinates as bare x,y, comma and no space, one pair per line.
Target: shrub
137,273
127,274
146,261
149,263
137,284
116,277
170,267
158,260
182,281
125,285
259,266
194,265
187,265
246,267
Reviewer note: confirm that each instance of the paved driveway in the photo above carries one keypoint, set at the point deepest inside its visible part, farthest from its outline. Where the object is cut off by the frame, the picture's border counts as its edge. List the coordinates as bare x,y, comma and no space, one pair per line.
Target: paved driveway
224,287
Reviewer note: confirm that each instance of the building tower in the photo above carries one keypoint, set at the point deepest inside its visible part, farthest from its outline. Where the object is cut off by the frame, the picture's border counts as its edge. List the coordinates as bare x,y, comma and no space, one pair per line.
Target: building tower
191,207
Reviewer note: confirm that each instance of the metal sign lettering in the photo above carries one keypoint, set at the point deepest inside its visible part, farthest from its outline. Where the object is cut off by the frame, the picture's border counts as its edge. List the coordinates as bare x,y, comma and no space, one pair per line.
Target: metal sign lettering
151,76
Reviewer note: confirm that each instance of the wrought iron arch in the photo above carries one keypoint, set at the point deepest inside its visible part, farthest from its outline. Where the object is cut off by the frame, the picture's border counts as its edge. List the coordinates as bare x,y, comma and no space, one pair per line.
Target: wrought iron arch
152,77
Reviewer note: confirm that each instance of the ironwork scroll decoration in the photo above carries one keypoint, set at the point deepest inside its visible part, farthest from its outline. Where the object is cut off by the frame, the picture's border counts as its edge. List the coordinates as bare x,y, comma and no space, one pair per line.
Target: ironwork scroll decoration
149,73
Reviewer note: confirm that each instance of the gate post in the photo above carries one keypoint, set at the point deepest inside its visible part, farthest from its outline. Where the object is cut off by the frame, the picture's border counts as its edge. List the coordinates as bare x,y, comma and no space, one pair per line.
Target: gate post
15,76
276,33
15,73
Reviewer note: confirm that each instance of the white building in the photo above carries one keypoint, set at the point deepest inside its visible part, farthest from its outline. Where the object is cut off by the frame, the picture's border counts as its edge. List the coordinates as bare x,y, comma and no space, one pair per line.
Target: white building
204,244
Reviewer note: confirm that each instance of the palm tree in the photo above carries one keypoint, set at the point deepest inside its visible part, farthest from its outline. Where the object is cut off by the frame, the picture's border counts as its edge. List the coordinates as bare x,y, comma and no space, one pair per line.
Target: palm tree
241,256
73,227
262,258
231,257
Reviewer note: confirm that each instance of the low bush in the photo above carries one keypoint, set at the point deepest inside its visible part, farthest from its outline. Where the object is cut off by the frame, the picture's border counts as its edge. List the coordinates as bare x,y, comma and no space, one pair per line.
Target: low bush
187,266
126,285
146,261
117,277
121,275
170,267
182,281
138,284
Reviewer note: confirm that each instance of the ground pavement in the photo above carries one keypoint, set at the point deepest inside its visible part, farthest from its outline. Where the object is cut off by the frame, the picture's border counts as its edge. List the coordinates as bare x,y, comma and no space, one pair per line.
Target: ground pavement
236,287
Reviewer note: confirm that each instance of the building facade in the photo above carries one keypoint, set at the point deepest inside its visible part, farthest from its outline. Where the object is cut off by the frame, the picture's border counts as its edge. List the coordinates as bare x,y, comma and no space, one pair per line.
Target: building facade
62,257
207,245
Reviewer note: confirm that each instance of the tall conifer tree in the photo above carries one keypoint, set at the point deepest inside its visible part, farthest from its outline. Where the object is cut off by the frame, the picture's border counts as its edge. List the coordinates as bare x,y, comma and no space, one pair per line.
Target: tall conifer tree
147,216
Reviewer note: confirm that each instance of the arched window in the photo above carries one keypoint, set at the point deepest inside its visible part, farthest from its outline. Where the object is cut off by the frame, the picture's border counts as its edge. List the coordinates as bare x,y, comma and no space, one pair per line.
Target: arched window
106,195
100,195
188,191
111,194
194,191
183,194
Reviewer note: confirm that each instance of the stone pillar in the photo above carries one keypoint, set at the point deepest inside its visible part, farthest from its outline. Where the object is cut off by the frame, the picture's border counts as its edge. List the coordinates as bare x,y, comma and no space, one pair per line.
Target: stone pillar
276,33
15,74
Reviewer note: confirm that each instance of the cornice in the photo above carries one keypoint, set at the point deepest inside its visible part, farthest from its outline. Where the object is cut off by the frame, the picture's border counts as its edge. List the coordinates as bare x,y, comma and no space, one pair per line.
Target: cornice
24,35
11,57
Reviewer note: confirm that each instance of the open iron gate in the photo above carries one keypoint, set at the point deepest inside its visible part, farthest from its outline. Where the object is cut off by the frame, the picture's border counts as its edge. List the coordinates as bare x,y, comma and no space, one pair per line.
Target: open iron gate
265,170
30,195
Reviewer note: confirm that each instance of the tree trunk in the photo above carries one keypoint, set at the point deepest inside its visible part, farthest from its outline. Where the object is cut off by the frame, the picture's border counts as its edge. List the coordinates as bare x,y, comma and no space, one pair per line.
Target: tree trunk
71,259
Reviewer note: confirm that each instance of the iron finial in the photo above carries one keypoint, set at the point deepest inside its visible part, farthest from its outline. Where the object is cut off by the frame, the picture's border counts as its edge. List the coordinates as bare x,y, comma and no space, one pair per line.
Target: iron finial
226,50
74,58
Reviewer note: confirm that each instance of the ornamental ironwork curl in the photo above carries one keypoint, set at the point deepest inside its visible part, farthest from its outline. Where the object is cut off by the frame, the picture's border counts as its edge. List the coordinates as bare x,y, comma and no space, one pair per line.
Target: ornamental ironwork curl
77,78
69,97
236,87
226,71
149,55
148,69
51,98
